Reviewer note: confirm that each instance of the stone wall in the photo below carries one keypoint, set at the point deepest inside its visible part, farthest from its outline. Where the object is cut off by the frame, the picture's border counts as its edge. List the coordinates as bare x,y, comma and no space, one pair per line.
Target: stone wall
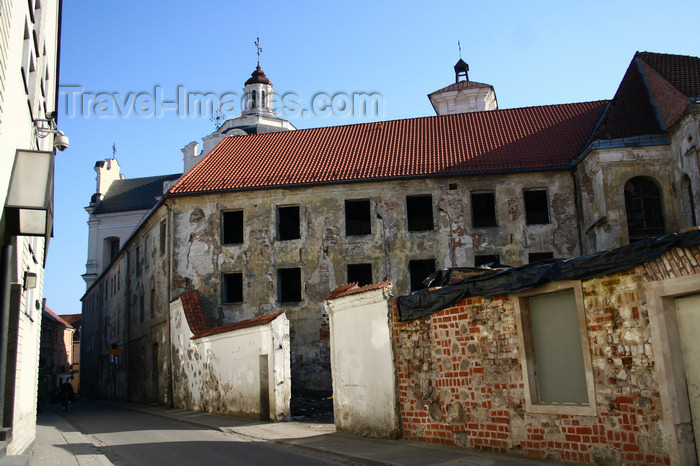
461,380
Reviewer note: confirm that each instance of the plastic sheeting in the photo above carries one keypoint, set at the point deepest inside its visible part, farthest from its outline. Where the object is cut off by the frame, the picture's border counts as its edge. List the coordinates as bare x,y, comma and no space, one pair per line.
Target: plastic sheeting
517,279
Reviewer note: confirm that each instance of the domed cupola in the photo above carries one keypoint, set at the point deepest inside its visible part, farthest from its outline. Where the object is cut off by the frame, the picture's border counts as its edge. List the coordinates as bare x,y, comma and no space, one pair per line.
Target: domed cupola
464,96
258,77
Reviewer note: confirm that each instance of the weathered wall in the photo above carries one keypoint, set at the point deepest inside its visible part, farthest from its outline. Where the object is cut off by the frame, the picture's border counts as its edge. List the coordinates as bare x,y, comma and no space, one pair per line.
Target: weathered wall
362,361
235,372
127,310
324,250
461,379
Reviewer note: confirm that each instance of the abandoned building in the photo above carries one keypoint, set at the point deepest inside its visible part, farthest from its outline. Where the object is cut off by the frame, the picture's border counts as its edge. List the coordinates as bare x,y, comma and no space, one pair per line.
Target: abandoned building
268,221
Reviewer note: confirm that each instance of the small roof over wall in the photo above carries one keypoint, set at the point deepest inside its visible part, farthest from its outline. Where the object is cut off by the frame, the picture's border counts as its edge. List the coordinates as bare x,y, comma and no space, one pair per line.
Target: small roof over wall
194,313
518,279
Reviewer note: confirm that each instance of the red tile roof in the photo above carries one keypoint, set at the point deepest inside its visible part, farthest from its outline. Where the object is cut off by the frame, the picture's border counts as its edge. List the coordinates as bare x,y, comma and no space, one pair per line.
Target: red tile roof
656,86
682,71
55,317
254,322
73,319
512,140
194,313
461,85
352,288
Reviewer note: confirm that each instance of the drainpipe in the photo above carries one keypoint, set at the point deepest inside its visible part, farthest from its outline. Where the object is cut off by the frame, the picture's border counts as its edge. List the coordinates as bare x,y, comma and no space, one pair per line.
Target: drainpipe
5,272
168,249
127,294
577,206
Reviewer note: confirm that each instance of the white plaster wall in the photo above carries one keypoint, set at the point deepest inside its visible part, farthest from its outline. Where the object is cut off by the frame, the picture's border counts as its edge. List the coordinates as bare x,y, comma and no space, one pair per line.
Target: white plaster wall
221,373
17,132
362,364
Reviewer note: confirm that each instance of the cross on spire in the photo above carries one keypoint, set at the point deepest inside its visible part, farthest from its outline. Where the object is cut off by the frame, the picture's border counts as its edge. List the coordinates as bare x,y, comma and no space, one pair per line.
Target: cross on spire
257,46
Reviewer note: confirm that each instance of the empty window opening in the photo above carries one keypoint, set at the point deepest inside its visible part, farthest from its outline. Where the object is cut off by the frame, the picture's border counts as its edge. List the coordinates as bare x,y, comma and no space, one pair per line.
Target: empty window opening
486,259
288,223
289,285
360,274
357,217
232,288
419,270
643,205
232,231
539,256
483,210
419,211
536,207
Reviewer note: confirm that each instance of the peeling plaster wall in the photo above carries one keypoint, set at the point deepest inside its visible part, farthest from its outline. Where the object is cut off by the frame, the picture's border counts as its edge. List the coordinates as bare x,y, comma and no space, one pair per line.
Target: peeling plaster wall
224,373
323,251
685,147
362,361
602,176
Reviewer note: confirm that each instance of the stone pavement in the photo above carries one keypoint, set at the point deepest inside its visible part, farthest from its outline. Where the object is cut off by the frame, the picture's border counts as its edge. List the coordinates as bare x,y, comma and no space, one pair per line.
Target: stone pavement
59,444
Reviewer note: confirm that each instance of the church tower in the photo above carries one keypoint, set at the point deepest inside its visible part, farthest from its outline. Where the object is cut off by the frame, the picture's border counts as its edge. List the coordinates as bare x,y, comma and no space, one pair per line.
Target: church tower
463,96
257,116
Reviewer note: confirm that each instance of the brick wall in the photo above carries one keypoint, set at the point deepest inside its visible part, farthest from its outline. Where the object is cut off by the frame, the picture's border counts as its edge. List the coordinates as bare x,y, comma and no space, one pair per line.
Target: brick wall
461,381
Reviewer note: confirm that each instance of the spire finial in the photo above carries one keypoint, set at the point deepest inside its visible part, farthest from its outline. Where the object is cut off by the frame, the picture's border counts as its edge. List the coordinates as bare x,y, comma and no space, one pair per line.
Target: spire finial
257,46
114,150
460,49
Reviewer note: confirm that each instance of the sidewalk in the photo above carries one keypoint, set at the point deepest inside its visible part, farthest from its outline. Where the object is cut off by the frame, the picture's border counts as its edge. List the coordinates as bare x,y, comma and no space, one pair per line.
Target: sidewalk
76,448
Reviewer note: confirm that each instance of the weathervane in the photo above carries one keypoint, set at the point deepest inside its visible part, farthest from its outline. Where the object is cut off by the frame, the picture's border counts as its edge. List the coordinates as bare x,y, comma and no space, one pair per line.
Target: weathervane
460,49
114,150
257,46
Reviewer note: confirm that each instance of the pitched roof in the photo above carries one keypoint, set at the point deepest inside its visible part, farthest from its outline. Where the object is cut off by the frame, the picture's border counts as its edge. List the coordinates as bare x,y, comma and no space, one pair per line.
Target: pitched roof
73,319
461,85
52,316
652,96
353,288
133,194
194,313
512,140
682,71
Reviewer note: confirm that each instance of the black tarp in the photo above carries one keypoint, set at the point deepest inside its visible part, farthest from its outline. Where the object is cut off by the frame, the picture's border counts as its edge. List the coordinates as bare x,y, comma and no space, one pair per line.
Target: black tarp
517,279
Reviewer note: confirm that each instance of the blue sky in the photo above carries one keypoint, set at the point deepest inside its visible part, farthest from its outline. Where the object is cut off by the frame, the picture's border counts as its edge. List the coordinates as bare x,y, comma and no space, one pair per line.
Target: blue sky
533,53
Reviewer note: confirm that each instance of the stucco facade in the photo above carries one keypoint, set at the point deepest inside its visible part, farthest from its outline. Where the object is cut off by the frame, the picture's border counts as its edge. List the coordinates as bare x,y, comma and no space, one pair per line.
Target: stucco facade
29,68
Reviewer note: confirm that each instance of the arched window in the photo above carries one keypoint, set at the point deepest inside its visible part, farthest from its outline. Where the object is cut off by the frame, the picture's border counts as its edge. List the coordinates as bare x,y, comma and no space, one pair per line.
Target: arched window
688,201
262,99
253,99
645,215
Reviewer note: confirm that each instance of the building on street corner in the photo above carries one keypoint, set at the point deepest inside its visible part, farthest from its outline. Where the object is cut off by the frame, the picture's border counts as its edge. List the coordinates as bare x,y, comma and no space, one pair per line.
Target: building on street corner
29,76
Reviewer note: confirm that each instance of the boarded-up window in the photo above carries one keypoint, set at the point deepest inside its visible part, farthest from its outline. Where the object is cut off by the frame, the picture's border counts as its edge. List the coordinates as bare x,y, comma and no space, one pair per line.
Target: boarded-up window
561,377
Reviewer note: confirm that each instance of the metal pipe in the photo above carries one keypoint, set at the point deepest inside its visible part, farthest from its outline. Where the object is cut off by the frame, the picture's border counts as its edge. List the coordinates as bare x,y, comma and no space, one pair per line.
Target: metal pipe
5,282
